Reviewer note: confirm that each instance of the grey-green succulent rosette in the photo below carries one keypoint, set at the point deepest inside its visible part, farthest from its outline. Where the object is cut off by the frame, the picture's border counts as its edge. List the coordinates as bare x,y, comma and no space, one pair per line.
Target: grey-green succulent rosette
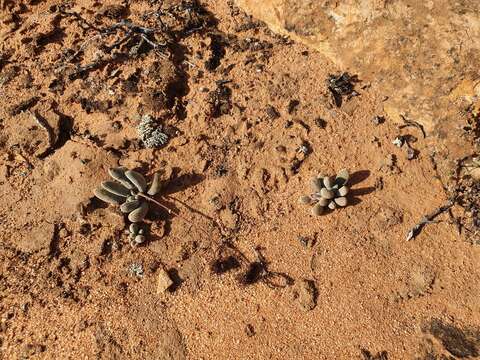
329,192
130,190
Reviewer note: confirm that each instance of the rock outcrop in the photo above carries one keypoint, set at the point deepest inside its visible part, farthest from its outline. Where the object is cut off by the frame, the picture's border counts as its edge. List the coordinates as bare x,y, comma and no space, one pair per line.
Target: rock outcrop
423,55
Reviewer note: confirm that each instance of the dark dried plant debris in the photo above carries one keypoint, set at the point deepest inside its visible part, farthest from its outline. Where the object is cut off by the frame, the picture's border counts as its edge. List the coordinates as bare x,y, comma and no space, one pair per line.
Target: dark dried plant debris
220,100
367,355
411,123
377,120
272,113
342,85
292,106
321,123
159,30
222,266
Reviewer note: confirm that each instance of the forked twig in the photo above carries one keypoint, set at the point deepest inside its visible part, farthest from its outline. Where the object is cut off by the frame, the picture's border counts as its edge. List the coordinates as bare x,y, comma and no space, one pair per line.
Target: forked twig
428,219
411,123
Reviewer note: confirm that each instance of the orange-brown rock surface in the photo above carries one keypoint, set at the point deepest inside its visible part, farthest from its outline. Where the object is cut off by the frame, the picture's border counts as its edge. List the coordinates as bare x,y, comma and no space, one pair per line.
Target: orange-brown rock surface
423,55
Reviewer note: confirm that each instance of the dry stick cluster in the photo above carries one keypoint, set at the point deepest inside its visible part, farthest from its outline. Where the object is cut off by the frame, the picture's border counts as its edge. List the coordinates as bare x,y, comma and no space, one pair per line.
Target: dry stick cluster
142,35
160,38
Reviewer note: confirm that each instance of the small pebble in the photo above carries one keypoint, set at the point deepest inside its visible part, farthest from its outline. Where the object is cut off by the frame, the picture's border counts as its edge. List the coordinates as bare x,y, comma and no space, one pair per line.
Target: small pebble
163,281
322,124
249,330
399,141
411,154
272,113
306,241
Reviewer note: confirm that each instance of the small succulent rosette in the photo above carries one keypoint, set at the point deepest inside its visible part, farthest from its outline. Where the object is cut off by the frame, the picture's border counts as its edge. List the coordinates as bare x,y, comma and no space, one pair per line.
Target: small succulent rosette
329,192
137,234
129,190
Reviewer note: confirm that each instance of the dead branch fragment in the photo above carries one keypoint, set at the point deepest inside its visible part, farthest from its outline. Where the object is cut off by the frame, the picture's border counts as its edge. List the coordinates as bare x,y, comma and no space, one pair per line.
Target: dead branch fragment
411,123
427,219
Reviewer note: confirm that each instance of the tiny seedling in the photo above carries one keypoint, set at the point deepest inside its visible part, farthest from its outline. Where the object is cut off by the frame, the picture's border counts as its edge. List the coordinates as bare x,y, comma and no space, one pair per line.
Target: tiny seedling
137,234
328,192
131,192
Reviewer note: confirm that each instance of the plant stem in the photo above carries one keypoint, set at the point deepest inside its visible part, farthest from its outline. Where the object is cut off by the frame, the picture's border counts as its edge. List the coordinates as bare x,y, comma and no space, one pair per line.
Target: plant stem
170,211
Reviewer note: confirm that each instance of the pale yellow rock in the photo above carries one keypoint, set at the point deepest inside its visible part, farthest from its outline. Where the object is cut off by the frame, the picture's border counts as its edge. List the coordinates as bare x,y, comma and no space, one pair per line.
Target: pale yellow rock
163,281
422,55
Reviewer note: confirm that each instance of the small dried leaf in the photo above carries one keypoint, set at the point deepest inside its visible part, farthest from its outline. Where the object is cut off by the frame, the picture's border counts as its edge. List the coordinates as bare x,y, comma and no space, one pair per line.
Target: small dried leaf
116,188
137,179
139,213
129,206
108,197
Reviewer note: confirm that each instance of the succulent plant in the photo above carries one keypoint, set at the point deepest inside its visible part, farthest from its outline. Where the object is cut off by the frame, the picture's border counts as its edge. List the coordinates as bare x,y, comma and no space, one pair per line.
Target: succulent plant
151,133
328,192
137,234
129,190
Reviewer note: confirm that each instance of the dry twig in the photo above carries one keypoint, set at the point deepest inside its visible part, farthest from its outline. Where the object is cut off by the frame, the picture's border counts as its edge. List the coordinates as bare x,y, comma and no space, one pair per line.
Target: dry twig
428,219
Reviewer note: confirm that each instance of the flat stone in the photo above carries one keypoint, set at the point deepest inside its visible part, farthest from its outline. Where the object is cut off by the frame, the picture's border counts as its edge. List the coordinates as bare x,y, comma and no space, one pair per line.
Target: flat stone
163,281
